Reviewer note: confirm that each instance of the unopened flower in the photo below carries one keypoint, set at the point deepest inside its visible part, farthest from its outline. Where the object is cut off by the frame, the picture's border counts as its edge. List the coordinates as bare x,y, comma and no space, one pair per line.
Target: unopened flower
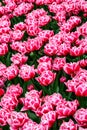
46,78
58,63
43,20
16,35
51,49
2,92
45,35
31,101
3,49
43,67
60,17
80,117
9,102
78,84
38,13
66,108
77,51
19,46
71,23
9,7
17,119
44,59
71,68
19,59
14,90
62,79
83,63
11,72
20,26
22,8
30,87
2,69
63,49
26,72
4,115
4,38
48,118
81,89
45,108
53,99
5,21
33,125
68,125
5,30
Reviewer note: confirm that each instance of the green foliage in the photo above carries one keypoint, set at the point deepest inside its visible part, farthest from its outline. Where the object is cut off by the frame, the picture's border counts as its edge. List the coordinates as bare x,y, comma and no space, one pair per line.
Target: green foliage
52,25
2,2
33,116
16,20
5,127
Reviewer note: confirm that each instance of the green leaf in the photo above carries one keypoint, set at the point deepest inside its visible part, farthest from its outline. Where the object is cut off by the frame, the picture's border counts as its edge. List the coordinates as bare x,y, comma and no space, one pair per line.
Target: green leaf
8,61
82,101
33,116
5,127
18,19
55,85
55,126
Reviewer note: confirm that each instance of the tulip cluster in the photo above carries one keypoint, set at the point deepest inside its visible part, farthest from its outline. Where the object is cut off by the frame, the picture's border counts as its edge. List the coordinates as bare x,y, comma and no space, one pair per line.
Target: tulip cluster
43,64
48,108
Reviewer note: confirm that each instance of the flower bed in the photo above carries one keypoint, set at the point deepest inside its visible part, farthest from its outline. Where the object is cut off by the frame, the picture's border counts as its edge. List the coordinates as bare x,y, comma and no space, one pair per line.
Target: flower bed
43,64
